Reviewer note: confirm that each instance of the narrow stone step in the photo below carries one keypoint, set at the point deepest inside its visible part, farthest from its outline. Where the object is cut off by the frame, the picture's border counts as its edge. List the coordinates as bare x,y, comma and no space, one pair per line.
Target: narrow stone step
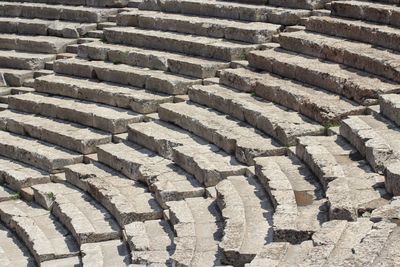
351,186
58,28
297,196
86,219
126,200
36,153
6,194
390,107
374,137
92,3
166,180
108,253
229,10
68,135
378,247
335,241
247,213
204,161
178,42
278,254
65,262
353,54
304,4
375,12
13,77
153,80
351,83
151,242
154,59
387,213
21,60
276,121
377,140
17,175
317,104
55,12
367,32
248,32
13,252
36,44
196,222
106,118
41,233
232,136
111,94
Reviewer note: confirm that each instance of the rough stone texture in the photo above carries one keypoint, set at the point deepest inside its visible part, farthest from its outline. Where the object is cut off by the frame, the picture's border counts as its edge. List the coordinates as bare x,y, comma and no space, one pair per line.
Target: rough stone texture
296,195
247,214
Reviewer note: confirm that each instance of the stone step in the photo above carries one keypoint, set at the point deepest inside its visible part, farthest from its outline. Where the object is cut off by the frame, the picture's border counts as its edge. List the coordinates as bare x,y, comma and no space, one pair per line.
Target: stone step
92,3
277,121
229,10
304,4
151,242
207,47
36,153
106,118
278,254
126,200
362,10
41,233
334,242
108,253
154,59
377,139
68,135
351,83
162,176
352,188
35,44
86,219
317,104
153,80
13,77
204,161
111,94
367,32
21,60
390,107
55,12
297,197
232,136
248,32
13,252
6,194
378,247
17,175
353,54
197,225
58,28
247,213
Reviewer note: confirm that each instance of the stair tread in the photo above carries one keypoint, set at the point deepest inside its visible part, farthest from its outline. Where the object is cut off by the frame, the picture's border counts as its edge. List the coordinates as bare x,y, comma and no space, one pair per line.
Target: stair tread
336,78
37,153
99,116
125,199
247,214
44,236
112,94
68,135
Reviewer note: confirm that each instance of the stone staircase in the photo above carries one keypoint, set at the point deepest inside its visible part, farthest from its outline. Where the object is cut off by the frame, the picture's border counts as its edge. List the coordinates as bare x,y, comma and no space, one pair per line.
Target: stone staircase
199,133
